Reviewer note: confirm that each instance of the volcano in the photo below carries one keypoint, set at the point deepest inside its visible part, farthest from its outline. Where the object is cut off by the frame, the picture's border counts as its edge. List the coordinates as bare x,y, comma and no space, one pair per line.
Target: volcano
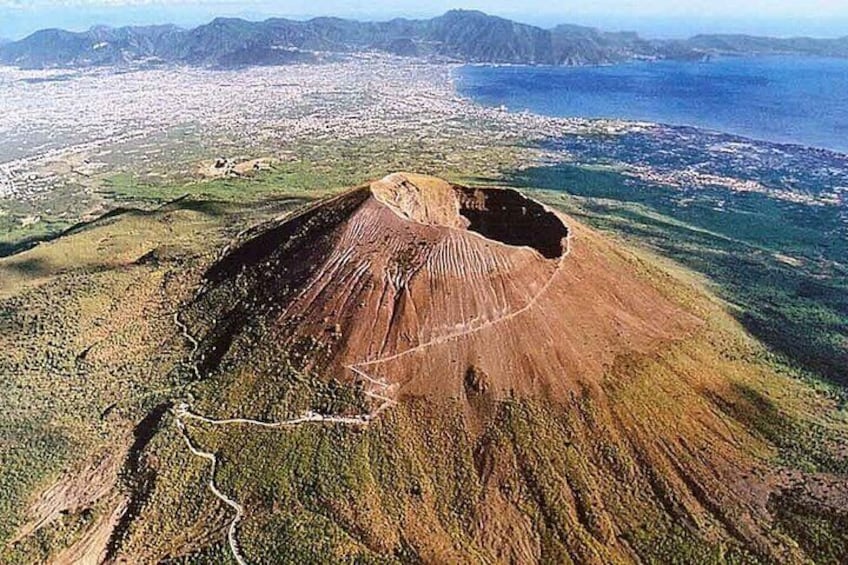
440,290
528,391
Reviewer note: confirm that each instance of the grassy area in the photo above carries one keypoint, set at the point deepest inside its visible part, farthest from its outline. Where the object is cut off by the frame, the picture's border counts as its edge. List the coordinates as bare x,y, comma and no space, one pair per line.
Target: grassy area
415,486
87,341
823,533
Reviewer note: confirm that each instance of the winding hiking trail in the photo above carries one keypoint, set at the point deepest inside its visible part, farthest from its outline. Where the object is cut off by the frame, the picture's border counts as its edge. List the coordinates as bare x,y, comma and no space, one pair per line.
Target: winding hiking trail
378,389
231,532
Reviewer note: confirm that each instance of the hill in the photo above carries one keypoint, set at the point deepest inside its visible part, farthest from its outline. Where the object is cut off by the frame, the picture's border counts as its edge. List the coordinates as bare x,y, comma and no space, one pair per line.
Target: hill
418,371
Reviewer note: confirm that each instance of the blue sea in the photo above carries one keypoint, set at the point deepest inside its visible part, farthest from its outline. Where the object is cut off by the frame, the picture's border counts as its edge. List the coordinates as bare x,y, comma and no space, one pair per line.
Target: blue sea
801,100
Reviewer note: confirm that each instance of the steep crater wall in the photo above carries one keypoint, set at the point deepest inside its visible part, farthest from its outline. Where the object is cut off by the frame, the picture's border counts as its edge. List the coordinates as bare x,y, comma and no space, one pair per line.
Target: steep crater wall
505,215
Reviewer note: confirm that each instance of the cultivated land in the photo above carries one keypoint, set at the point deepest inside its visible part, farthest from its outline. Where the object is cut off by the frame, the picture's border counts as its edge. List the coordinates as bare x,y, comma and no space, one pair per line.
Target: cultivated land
95,369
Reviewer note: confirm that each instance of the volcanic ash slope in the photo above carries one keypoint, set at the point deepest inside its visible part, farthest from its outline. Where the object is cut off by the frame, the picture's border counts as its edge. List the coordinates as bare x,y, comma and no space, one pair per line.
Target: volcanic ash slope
421,283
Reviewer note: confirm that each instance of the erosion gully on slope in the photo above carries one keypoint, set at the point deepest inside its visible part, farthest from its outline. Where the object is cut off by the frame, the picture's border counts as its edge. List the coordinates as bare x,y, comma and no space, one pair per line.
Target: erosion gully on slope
379,390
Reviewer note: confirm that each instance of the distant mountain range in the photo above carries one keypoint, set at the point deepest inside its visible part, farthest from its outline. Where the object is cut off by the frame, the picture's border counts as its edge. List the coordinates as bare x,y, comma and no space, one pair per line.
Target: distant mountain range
458,35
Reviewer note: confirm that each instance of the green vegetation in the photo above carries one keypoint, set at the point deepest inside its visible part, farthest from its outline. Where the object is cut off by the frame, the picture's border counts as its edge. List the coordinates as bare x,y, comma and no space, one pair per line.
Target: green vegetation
289,179
803,444
822,533
23,223
44,450
89,348
62,532
71,388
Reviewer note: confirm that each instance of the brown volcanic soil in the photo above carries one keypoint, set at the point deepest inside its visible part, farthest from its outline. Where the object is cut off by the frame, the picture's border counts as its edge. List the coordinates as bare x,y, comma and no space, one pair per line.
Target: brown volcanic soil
421,282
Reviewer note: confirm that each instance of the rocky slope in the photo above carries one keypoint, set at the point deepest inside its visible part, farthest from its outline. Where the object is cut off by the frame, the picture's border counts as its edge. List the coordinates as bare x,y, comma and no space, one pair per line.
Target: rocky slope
412,272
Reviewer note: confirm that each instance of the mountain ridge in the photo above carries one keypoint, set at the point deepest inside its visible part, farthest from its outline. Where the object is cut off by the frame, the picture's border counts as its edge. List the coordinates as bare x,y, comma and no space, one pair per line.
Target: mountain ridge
458,35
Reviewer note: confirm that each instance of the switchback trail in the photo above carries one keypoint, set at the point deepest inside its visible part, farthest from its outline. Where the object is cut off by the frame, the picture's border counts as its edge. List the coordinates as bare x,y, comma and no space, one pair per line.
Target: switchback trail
378,389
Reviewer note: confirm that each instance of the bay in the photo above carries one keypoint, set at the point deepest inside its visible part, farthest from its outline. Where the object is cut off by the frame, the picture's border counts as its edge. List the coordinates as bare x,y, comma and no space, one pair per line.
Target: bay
782,99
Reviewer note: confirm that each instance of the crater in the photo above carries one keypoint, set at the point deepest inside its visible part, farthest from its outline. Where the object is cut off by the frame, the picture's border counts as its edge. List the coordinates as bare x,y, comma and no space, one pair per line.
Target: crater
498,214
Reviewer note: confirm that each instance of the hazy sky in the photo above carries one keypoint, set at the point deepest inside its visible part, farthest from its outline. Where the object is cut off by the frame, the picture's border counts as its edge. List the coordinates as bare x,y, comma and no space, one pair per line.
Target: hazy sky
656,18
